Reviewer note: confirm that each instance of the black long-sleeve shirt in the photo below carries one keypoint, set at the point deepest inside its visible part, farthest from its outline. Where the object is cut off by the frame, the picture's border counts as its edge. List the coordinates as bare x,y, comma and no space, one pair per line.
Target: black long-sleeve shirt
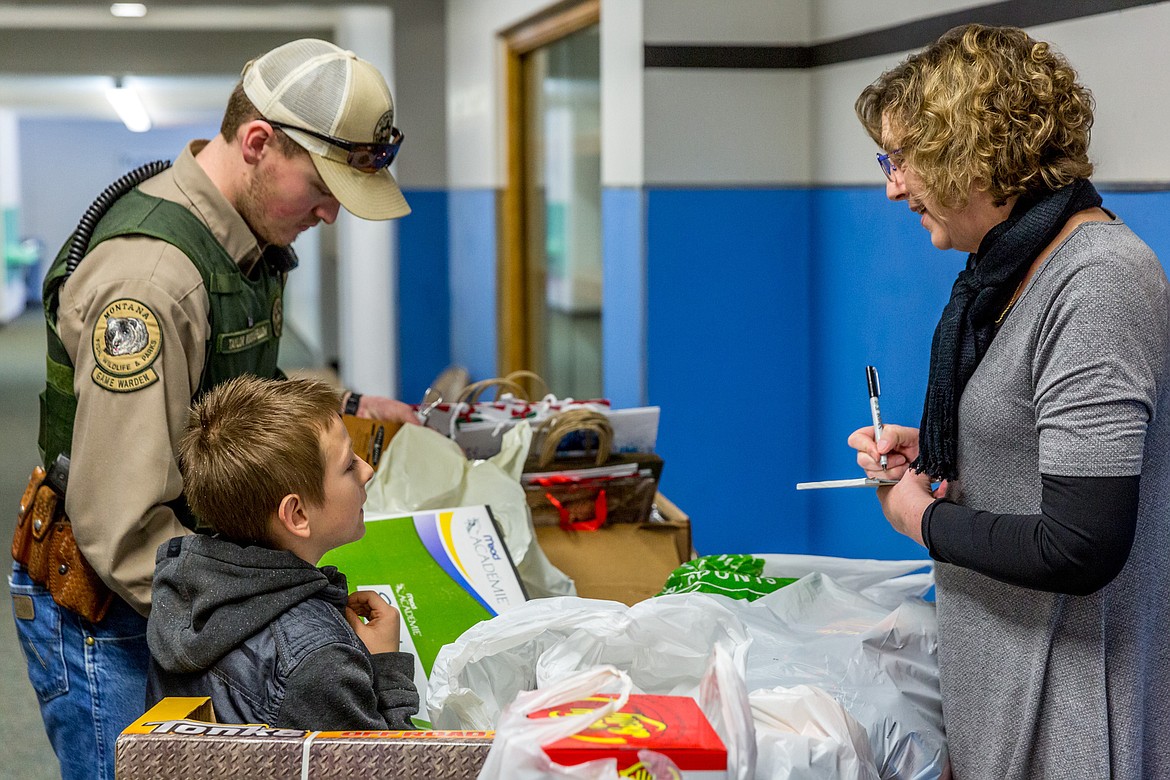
1077,544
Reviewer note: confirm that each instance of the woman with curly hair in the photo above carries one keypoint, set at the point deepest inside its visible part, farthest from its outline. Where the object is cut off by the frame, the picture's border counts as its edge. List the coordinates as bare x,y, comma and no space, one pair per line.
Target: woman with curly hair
1046,422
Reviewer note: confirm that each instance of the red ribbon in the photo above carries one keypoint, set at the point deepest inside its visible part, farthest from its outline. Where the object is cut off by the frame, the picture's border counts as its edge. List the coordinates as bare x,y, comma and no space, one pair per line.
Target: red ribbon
600,510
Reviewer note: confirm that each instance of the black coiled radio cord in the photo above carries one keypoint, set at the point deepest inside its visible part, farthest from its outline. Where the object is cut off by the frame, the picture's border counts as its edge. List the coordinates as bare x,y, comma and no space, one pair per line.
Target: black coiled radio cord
79,244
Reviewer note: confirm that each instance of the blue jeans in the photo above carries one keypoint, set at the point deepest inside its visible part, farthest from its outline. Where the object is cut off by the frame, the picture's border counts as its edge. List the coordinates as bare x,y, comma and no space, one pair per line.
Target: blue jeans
90,678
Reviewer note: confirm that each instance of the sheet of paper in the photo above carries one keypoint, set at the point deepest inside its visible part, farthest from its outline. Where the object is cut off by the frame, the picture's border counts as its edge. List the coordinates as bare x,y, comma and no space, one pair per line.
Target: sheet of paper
845,483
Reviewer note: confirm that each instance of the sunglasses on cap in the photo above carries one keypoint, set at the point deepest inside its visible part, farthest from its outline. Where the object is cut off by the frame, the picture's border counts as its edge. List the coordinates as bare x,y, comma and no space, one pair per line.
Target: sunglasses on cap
366,157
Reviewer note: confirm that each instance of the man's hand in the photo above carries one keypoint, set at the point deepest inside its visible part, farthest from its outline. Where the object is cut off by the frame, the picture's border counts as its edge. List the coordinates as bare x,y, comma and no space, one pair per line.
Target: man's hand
382,633
376,407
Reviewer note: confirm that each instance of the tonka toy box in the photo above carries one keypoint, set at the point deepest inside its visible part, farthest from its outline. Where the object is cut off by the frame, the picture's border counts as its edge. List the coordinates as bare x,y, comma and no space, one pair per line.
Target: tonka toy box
444,569
180,738
673,726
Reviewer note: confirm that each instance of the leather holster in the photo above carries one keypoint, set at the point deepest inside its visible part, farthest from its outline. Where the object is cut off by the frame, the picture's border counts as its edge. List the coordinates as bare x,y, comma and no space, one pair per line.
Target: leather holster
43,543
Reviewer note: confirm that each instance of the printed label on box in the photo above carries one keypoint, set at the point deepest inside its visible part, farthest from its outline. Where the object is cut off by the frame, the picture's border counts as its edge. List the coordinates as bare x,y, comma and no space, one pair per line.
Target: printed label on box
671,725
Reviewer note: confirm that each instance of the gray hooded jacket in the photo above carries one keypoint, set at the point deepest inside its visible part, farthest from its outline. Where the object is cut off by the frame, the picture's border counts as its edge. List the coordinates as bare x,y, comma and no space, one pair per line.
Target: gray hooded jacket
263,633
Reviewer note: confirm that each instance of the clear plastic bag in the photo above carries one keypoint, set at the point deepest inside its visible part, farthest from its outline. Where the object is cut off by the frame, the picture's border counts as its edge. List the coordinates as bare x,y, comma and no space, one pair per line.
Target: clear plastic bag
517,752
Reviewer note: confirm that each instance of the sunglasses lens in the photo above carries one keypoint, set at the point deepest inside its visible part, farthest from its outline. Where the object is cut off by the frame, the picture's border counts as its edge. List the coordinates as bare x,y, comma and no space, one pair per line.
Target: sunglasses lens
372,158
364,160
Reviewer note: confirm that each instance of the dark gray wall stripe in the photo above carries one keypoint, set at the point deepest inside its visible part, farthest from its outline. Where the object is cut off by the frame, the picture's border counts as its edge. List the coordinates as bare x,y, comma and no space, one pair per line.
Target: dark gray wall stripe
904,37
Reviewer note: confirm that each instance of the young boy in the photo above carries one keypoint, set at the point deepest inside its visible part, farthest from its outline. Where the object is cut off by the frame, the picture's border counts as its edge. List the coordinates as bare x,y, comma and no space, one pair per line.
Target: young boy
245,616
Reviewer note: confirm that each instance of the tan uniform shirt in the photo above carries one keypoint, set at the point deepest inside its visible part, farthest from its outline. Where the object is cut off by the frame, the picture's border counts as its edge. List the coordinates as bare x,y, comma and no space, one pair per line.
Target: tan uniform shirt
123,466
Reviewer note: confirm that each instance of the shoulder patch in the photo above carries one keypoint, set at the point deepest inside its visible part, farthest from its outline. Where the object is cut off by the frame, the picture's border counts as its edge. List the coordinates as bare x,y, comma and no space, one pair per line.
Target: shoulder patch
127,340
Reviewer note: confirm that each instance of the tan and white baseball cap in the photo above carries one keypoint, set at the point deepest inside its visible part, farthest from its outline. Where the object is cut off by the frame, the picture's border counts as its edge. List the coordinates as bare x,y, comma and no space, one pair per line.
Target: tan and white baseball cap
315,85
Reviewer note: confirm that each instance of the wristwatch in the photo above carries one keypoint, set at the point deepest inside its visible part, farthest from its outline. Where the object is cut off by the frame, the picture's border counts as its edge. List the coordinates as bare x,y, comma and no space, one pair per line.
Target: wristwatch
352,402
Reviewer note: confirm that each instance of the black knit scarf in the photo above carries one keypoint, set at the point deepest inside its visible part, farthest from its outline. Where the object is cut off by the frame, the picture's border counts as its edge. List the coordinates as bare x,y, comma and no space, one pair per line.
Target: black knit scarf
981,292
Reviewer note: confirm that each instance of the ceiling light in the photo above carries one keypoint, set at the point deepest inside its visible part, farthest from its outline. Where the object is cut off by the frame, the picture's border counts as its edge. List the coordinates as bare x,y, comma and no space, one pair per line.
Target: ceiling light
129,107
128,10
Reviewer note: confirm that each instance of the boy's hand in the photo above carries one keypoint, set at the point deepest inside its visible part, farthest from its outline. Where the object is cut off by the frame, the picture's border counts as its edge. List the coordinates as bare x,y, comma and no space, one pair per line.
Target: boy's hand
382,632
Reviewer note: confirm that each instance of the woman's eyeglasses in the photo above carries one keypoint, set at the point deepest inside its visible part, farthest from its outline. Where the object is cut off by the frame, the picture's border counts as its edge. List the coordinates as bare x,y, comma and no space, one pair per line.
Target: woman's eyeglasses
890,162
363,156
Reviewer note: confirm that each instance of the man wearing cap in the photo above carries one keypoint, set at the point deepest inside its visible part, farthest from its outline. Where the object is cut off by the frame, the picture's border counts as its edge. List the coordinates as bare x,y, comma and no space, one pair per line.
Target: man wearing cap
180,288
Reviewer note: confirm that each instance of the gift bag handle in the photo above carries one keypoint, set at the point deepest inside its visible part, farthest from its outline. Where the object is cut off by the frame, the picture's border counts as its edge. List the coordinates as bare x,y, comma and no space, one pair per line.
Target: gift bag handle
471,393
521,374
558,426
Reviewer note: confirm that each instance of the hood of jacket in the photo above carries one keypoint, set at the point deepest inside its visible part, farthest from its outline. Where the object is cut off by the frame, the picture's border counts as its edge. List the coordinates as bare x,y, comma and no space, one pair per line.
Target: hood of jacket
209,595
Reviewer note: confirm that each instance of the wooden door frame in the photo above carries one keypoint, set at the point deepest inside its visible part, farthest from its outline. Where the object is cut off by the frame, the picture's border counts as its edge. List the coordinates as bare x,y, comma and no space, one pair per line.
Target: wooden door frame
515,337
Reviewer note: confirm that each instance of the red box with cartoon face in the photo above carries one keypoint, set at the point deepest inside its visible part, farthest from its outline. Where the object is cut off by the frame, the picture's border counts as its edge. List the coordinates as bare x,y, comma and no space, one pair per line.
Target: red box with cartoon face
671,725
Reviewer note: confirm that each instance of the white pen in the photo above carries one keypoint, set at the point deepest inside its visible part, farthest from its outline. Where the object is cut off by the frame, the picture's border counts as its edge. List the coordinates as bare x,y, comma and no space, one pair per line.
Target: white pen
875,391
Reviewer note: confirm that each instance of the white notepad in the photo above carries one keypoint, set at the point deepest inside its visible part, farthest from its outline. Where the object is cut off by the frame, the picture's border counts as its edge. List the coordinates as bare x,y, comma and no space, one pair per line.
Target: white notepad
846,483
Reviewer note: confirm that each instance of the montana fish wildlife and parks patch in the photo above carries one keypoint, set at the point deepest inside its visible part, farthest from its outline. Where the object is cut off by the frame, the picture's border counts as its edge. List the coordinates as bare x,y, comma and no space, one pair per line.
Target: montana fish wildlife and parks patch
127,340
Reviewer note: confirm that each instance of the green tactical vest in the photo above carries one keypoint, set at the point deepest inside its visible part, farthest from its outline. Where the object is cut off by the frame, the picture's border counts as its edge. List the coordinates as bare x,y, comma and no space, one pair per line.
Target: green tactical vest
246,314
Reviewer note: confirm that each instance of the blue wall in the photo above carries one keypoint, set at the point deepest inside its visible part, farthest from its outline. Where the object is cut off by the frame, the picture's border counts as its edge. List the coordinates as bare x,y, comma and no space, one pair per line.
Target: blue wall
424,292
623,278
1146,213
760,308
728,361
878,288
472,267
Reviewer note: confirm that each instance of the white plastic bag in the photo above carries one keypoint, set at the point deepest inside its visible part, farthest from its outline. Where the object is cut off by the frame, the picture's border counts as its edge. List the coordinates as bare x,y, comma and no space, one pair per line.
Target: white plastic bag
664,644
889,583
422,469
517,752
878,662
724,700
805,734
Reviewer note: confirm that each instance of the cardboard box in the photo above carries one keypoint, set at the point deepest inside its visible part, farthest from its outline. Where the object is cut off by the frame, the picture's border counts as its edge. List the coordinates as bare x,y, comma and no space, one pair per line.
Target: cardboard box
671,725
444,569
370,437
626,562
179,738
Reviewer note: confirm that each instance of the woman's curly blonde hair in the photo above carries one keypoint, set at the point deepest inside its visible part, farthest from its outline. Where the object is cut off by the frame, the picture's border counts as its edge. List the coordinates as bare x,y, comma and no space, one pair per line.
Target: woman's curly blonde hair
984,108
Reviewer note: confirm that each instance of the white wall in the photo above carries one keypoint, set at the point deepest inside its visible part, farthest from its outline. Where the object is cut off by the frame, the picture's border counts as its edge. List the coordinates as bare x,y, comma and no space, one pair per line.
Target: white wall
833,19
1121,56
736,22
727,127
475,89
420,88
622,94
1124,59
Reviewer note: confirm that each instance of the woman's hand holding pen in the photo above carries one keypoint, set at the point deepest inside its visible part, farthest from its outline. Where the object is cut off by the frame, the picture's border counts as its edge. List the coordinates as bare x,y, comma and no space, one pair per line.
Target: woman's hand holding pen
902,504
898,443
